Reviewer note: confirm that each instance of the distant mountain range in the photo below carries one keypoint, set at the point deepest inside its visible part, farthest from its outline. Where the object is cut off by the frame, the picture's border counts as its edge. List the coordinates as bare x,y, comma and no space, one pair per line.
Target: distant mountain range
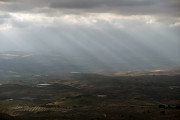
12,62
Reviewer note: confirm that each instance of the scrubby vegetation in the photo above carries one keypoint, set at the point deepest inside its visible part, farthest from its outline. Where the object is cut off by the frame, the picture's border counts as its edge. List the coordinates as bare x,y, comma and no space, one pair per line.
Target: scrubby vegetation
92,97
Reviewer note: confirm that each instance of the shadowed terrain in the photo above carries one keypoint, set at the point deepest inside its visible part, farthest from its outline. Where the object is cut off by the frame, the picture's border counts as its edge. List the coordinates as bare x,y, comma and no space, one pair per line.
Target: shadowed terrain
76,96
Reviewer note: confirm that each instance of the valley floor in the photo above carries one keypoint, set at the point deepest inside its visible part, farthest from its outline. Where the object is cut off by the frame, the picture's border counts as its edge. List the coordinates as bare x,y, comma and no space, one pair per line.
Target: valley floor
92,97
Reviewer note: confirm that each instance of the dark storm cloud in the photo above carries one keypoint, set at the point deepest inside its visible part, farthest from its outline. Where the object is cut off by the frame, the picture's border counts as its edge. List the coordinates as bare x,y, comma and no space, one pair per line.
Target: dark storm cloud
98,3
5,0
126,7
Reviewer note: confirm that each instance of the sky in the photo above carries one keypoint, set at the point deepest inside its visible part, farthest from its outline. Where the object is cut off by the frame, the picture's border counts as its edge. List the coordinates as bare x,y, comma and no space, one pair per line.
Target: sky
117,29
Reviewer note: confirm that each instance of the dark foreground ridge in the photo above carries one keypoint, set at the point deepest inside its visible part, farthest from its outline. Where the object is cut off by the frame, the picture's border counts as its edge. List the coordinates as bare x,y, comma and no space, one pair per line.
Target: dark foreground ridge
80,96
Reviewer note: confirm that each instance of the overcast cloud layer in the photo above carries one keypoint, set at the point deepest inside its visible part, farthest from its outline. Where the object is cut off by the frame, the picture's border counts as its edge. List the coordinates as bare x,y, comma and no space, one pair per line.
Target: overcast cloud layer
119,29
130,7
159,10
